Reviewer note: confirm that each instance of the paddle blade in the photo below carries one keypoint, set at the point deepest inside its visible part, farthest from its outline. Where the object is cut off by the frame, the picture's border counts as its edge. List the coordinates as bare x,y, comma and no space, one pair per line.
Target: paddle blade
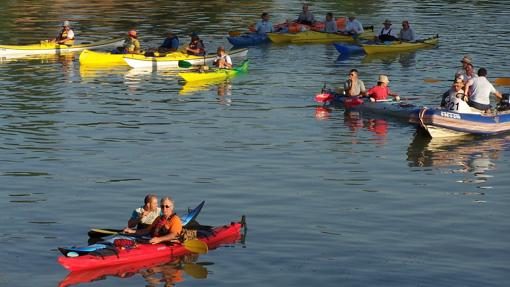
431,80
196,246
184,64
234,33
195,270
502,81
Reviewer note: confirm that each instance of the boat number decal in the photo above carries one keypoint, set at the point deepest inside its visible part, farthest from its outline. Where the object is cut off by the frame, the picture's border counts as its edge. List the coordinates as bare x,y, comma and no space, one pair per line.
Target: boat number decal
450,115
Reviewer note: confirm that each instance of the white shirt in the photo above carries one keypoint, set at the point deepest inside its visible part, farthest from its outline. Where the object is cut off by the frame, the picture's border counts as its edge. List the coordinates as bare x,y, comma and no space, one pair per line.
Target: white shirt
263,27
480,89
225,57
70,34
354,26
407,35
148,219
330,27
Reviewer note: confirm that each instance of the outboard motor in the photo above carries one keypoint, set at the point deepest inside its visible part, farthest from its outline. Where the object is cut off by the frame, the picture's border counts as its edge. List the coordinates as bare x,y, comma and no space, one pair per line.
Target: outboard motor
504,104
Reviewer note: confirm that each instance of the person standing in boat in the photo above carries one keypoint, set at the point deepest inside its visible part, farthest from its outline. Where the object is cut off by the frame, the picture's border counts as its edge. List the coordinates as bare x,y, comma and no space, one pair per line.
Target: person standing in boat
387,34
196,46
145,215
354,86
170,44
467,71
222,60
66,35
353,26
381,91
306,17
479,89
330,24
166,228
264,25
407,33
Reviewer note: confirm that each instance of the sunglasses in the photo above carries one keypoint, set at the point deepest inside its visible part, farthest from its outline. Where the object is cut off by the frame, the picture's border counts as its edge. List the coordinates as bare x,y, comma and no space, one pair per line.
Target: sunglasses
166,206
352,74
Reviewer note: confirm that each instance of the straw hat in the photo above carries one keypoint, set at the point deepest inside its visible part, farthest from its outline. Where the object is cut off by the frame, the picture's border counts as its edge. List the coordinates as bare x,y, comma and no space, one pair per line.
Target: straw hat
387,22
65,24
466,59
383,79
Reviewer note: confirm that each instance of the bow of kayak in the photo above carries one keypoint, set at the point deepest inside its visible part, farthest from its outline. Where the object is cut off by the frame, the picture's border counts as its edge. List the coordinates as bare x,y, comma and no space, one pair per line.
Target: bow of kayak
214,74
54,48
398,46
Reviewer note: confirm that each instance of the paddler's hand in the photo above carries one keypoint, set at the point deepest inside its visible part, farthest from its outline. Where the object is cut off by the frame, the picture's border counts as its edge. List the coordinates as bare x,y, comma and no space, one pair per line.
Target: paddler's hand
128,230
397,99
154,240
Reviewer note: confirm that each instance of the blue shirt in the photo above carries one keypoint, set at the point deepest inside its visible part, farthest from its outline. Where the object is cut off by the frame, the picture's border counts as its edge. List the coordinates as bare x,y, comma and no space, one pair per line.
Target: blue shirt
263,27
172,43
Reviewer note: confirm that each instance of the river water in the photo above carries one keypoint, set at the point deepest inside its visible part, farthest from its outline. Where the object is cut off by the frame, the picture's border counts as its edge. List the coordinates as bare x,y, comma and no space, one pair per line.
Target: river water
331,198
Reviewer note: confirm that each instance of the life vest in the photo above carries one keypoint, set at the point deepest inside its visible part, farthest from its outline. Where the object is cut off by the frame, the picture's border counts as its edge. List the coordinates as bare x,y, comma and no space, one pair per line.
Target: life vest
162,227
194,45
386,37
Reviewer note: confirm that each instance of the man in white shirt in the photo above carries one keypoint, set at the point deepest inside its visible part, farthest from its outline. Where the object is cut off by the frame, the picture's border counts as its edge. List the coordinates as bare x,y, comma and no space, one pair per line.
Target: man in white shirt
264,26
353,26
387,34
479,89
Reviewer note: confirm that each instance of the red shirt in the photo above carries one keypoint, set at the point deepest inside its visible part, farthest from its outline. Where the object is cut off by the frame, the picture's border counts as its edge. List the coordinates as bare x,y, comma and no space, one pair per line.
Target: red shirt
379,92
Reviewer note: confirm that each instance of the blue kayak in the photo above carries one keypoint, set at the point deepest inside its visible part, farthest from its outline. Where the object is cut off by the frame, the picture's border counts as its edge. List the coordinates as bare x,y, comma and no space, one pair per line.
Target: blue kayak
347,49
248,39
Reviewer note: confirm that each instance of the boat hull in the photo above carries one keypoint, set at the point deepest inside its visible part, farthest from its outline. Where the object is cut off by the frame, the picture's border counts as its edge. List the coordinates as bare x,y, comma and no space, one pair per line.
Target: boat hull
445,123
248,39
348,49
214,74
317,37
173,61
143,252
53,48
400,46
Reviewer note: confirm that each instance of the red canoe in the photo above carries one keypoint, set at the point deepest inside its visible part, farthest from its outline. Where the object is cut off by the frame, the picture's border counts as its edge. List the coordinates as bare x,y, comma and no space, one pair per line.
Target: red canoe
150,252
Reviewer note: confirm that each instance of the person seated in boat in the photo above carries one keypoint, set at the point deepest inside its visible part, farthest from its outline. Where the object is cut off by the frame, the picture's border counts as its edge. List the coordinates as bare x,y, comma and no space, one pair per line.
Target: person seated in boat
264,25
386,33
66,35
479,89
170,44
330,24
306,17
131,44
353,26
407,33
354,86
467,71
196,46
454,99
222,59
381,91
166,228
145,215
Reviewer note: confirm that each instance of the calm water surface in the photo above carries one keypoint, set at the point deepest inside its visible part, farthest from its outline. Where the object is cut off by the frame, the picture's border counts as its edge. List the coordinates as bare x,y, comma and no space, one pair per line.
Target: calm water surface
331,198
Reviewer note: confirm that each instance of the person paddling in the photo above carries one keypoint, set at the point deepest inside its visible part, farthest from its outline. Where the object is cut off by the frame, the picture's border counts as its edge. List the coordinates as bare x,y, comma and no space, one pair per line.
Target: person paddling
381,91
170,44
222,60
66,35
330,24
145,215
196,46
306,17
131,44
264,25
354,86
407,33
387,34
166,228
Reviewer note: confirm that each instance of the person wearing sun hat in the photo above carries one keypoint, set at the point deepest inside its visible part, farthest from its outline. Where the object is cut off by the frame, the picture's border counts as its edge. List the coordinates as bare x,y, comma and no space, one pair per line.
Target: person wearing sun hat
387,34
467,70
66,35
353,26
381,91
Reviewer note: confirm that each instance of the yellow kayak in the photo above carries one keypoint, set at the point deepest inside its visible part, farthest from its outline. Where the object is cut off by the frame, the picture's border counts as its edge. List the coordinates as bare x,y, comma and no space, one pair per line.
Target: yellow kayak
214,74
317,37
92,58
398,46
48,47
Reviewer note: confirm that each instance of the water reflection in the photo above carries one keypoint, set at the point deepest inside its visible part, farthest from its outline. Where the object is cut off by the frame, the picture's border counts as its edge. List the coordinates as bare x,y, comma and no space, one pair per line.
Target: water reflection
404,59
155,272
470,154
223,89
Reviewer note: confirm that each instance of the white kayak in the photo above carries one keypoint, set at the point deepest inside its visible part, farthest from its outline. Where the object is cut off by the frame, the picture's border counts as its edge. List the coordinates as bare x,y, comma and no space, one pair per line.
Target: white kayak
46,47
172,61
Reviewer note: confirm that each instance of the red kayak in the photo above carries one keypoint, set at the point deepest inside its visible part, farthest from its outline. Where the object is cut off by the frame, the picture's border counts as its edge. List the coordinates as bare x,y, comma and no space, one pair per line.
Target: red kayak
151,252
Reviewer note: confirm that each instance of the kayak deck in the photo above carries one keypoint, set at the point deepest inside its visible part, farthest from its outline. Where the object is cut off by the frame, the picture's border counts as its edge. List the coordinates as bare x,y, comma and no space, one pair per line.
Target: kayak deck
214,73
142,252
398,46
54,48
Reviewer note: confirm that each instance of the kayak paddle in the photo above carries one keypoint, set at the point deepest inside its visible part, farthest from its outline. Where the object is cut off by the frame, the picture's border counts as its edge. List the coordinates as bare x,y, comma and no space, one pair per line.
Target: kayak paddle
196,246
502,81
196,271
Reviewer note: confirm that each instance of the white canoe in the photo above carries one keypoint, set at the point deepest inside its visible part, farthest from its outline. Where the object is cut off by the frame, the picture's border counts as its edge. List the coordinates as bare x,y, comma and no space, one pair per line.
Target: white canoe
53,48
172,61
